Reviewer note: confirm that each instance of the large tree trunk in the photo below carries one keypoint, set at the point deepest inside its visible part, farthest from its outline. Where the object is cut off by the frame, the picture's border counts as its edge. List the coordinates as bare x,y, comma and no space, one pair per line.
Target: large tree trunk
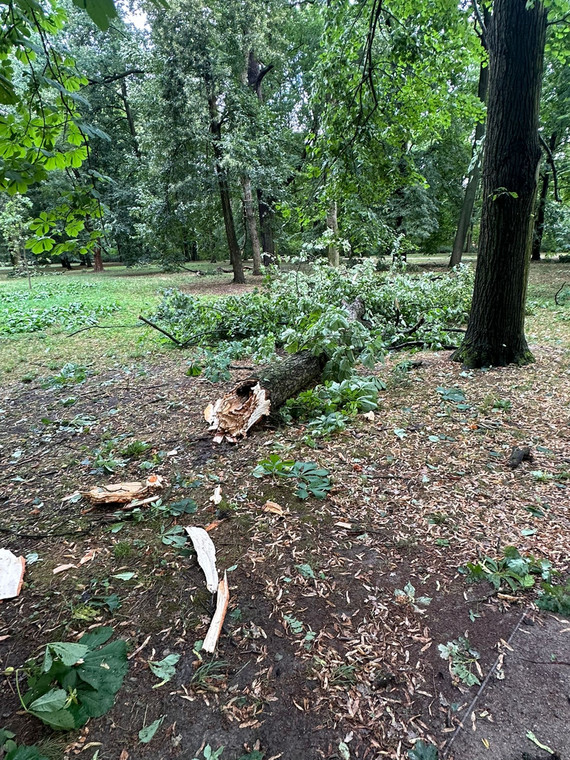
235,413
464,224
225,196
251,224
541,208
495,333
332,225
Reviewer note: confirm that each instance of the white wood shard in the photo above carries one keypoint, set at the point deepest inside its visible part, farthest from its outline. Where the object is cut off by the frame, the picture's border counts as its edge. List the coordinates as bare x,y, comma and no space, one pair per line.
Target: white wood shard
215,628
206,552
235,413
11,574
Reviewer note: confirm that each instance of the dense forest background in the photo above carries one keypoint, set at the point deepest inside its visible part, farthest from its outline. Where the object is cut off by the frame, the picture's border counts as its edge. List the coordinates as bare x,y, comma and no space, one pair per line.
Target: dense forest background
214,130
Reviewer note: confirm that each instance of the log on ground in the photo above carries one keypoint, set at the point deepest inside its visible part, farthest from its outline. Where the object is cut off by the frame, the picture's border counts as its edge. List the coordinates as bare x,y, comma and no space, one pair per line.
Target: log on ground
231,416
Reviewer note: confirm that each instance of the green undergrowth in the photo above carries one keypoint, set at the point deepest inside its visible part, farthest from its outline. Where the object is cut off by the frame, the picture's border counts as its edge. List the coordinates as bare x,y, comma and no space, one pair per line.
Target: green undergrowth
310,311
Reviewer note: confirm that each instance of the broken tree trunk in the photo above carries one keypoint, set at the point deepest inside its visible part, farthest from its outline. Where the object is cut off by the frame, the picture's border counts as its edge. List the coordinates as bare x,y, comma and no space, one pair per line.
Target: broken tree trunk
235,413
231,416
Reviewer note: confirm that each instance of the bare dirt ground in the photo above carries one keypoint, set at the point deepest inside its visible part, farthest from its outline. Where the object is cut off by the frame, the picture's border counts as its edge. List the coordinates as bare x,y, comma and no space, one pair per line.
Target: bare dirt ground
310,664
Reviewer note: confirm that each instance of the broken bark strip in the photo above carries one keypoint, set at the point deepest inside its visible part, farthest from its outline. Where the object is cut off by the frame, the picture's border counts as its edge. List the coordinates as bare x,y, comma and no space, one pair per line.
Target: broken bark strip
215,629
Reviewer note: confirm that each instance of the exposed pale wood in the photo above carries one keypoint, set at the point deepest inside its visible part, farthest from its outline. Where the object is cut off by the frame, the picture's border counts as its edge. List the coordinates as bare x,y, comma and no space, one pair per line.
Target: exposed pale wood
215,628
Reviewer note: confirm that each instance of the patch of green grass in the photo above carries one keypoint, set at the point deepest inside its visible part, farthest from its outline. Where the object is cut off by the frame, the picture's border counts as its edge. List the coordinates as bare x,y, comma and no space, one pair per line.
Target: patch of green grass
115,297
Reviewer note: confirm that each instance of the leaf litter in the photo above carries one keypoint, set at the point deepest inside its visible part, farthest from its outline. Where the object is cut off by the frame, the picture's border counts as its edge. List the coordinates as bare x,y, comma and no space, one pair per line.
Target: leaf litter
335,646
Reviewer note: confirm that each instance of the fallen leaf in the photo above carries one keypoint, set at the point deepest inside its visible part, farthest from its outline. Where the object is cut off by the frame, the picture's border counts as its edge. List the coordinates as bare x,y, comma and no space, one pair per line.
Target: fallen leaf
88,556
273,507
63,568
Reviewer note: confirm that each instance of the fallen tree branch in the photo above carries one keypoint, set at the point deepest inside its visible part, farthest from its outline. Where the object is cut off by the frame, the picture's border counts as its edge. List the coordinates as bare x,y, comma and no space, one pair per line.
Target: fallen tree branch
560,289
179,343
101,327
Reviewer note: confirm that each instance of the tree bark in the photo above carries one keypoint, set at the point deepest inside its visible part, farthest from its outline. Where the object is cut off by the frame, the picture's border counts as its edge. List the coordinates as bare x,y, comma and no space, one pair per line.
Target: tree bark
332,225
464,223
97,260
130,119
541,207
225,196
251,224
495,333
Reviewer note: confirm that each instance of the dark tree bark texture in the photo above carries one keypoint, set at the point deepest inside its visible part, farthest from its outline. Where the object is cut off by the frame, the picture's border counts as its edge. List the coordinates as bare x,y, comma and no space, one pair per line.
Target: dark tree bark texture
225,194
495,333
541,207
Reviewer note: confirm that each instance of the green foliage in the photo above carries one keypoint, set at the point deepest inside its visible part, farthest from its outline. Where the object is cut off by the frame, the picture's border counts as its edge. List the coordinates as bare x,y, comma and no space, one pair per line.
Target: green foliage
165,669
147,733
10,750
462,660
407,595
23,311
77,681
306,311
349,397
310,479
512,570
70,374
555,598
423,751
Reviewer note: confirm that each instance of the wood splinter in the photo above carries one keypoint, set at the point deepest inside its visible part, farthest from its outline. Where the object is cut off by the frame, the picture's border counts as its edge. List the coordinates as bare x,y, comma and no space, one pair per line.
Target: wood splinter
215,629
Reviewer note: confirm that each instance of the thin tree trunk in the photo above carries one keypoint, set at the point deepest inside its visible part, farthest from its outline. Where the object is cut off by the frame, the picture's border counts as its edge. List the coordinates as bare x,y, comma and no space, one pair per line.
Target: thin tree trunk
464,224
251,224
332,225
495,333
225,196
97,260
266,214
130,119
541,207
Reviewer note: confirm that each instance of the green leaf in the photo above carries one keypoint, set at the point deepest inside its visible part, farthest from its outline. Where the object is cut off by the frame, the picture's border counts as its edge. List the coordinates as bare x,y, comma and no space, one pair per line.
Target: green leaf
306,571
102,12
96,637
105,669
147,733
164,669
69,654
423,751
51,701
60,719
124,576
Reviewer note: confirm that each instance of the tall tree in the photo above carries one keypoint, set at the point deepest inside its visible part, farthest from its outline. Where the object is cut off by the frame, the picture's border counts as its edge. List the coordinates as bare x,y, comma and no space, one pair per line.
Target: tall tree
475,172
516,38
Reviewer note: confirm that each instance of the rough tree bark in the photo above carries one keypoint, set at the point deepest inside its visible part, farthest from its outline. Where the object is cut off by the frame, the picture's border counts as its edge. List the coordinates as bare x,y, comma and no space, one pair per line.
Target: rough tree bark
251,224
464,223
541,207
495,333
224,188
97,259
